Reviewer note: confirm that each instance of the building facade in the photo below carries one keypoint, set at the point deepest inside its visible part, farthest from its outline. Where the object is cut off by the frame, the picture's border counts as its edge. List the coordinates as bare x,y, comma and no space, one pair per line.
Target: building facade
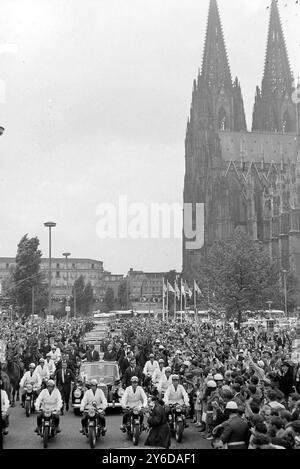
145,286
244,179
63,275
112,281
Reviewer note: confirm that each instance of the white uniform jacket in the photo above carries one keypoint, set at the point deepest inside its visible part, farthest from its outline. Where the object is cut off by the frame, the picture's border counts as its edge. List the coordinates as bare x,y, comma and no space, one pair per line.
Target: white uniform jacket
28,379
4,401
56,355
134,399
157,374
51,366
164,383
49,401
43,371
150,367
180,396
89,397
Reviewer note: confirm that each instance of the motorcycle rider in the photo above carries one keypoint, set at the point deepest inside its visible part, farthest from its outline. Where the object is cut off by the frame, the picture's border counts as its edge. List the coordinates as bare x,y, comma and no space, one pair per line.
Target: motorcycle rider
158,372
30,377
165,381
175,394
94,394
4,409
150,366
134,396
50,364
50,399
43,370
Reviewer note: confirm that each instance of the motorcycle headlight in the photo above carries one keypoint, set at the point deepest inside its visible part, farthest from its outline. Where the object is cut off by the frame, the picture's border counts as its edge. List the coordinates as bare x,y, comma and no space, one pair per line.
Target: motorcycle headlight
77,393
136,411
29,387
178,409
120,392
47,413
92,412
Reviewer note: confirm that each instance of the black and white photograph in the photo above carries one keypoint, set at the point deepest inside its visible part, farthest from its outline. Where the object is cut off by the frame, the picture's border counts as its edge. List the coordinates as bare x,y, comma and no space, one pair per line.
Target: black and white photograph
150,228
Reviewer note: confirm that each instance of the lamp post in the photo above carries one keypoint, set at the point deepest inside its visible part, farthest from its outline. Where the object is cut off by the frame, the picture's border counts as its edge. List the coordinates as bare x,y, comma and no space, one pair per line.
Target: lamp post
66,254
285,296
49,224
269,303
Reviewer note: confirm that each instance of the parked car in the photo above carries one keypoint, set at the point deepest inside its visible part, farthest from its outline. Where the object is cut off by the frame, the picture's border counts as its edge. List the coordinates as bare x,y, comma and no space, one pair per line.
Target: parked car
108,376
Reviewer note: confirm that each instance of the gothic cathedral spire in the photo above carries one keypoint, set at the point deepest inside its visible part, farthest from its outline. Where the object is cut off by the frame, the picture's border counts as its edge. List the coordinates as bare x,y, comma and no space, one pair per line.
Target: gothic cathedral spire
273,109
215,65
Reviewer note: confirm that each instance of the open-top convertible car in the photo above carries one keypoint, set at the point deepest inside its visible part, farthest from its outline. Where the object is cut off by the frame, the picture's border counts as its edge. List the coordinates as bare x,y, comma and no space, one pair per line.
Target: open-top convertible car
108,377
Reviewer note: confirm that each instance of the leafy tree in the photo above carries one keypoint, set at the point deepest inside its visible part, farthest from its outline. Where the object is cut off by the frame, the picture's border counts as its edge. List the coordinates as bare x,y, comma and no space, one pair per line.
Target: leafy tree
241,275
109,298
27,275
84,296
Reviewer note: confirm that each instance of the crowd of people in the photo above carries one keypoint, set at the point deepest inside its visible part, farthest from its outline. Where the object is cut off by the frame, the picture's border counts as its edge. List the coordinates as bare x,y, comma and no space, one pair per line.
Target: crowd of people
240,387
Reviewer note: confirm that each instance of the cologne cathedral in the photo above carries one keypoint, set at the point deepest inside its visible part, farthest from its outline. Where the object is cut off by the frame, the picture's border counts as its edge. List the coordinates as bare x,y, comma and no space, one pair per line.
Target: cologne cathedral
244,179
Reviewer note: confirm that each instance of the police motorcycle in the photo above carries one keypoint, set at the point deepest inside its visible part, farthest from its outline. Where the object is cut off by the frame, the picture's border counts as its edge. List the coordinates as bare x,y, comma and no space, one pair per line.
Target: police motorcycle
77,396
31,392
133,425
93,429
176,420
48,428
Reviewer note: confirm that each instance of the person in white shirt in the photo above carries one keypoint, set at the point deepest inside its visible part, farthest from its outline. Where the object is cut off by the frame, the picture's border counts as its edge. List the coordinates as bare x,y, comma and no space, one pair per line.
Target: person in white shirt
92,395
134,396
175,394
30,377
158,372
50,364
49,399
150,366
55,353
4,409
43,370
165,381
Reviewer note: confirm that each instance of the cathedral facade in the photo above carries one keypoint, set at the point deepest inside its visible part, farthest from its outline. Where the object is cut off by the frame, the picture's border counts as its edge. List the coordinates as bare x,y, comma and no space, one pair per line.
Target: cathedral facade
244,179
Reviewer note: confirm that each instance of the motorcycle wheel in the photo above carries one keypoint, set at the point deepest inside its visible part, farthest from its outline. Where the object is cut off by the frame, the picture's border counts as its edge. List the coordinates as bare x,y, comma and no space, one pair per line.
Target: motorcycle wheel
45,437
27,408
179,431
136,435
92,437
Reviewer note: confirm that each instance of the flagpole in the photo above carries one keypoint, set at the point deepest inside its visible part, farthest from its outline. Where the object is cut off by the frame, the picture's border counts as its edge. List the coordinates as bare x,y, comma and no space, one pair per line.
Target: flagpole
167,308
181,294
175,296
195,297
163,293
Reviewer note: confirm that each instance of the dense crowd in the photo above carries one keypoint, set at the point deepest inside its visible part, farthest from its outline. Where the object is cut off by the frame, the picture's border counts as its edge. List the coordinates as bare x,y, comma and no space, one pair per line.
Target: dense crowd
243,389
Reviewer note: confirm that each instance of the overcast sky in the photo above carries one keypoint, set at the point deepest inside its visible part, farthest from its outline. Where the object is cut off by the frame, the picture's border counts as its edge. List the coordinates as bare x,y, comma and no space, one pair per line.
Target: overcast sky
94,99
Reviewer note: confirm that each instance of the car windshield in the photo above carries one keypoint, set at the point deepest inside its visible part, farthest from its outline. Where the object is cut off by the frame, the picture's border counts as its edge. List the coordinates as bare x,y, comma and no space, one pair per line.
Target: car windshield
104,372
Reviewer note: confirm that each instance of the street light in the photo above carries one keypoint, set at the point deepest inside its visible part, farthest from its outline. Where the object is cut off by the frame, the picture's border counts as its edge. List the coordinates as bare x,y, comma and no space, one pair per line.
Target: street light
269,303
285,299
66,254
49,224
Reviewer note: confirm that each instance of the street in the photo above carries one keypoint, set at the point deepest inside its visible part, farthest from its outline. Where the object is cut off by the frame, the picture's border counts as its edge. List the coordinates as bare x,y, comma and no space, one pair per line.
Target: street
22,436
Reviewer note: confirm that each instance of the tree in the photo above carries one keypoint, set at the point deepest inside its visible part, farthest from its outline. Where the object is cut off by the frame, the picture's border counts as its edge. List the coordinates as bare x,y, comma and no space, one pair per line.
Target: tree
123,295
84,296
109,298
27,276
241,275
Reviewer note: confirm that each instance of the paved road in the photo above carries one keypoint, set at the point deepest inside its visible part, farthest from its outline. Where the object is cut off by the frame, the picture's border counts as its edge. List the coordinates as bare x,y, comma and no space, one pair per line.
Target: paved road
21,434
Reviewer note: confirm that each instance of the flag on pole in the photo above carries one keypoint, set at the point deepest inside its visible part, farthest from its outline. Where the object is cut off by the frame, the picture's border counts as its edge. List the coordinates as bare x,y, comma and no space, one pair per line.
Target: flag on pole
196,288
182,290
170,288
177,291
187,290
164,289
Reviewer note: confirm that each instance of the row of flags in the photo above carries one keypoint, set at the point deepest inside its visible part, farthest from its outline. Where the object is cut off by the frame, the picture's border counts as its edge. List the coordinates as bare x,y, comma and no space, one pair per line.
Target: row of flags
184,289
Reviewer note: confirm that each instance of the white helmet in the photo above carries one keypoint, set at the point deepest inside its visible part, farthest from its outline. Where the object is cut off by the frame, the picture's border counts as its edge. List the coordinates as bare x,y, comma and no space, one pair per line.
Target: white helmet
232,405
32,365
94,382
218,377
211,384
